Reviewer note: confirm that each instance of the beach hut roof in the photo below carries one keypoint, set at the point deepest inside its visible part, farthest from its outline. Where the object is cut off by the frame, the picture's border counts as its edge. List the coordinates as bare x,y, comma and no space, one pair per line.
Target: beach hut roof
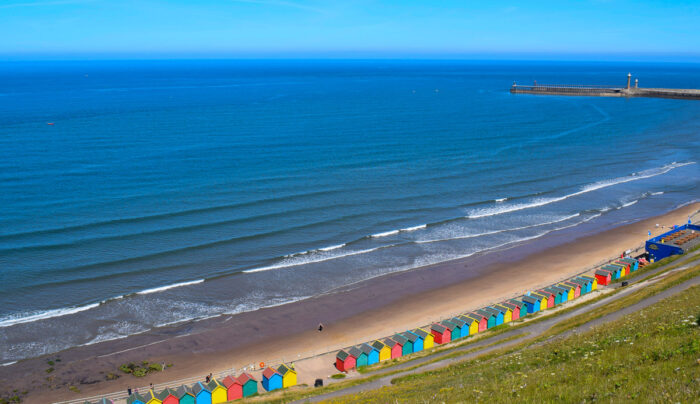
184,390
420,333
448,324
559,288
509,305
230,381
342,355
566,286
378,345
516,302
438,328
269,372
135,396
389,342
589,278
400,339
283,369
467,319
410,336
245,378
458,322
167,392
476,316
150,395
366,348
213,384
630,261
611,268
552,291
354,352
498,309
198,387
602,272
529,299
485,313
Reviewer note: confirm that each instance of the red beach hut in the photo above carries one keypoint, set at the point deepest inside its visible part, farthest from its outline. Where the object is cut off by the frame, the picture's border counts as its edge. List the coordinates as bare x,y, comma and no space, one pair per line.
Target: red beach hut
234,388
603,277
169,396
576,286
441,334
514,308
483,322
396,349
549,296
344,361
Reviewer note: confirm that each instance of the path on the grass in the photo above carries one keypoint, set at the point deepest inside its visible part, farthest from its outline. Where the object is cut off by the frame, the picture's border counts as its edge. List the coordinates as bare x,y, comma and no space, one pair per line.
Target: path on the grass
526,332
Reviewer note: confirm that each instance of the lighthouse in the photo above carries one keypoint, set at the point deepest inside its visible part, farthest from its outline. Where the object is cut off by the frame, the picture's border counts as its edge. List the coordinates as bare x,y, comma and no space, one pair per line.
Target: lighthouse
629,78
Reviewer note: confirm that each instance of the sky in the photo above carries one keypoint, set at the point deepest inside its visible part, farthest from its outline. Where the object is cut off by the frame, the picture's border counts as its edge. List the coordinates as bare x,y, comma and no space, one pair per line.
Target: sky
582,29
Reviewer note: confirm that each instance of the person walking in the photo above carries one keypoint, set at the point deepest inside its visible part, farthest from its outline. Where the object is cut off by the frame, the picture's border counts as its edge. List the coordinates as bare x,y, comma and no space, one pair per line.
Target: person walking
128,390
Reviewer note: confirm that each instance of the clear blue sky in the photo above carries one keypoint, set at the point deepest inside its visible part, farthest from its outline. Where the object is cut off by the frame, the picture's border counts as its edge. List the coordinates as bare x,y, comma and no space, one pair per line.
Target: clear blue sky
600,29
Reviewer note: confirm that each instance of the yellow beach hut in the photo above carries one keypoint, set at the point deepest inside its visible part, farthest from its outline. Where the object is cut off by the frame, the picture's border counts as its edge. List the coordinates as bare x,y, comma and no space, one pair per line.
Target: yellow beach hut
384,351
289,375
543,300
151,397
473,324
428,338
219,393
593,280
507,312
570,291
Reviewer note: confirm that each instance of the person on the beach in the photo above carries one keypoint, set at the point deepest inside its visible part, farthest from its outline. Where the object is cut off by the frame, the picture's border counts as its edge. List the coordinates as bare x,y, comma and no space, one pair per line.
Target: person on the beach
207,379
151,386
320,327
128,390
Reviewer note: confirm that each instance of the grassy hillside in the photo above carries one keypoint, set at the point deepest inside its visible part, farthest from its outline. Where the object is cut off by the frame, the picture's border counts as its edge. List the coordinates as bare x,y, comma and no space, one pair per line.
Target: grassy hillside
653,355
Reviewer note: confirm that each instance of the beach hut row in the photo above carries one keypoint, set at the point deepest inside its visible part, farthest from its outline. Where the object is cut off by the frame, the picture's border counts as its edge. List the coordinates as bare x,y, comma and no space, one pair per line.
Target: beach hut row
464,325
214,392
279,378
616,270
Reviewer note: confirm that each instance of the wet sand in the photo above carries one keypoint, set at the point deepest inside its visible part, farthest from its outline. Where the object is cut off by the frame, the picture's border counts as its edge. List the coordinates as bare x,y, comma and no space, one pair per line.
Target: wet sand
354,314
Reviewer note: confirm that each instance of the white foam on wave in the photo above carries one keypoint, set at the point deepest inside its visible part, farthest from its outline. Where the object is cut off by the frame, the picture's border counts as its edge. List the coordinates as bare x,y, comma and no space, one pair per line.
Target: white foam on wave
500,200
653,172
562,219
657,193
333,247
8,363
43,315
384,234
624,205
166,287
320,258
414,228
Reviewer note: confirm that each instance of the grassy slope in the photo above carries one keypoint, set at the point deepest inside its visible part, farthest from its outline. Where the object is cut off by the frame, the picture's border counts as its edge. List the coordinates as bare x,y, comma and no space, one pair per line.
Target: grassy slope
650,356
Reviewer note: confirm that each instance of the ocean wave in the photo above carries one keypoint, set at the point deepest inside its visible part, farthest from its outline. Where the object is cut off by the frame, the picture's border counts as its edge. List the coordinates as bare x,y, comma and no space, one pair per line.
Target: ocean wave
562,219
321,258
414,228
500,200
166,287
333,247
385,234
43,315
624,205
653,172
657,193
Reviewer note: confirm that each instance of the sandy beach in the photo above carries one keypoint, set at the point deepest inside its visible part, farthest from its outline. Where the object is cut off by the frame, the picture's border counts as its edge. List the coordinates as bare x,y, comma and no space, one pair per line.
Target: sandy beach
354,314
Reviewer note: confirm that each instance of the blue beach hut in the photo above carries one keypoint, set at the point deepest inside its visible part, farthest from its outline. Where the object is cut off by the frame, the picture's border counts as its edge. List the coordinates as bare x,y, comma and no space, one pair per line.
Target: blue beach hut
202,394
135,398
185,395
588,283
497,313
490,318
415,339
615,270
407,345
532,304
564,292
459,325
522,308
271,380
372,354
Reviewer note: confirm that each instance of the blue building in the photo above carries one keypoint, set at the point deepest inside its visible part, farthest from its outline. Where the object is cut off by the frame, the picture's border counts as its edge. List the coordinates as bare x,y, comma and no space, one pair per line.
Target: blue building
271,380
202,395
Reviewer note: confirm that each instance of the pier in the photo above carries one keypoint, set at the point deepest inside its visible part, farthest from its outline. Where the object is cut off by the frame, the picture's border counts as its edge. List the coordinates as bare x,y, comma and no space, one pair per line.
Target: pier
606,91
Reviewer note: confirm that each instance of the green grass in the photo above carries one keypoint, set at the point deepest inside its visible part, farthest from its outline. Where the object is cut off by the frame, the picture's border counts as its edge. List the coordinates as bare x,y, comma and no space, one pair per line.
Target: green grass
649,355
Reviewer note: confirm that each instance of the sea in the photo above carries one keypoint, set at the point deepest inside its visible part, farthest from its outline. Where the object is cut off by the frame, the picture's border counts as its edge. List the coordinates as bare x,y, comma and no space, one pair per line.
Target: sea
140,194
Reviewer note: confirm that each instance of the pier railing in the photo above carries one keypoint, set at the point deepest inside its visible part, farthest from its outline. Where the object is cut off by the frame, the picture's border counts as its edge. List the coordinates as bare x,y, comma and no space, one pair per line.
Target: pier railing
570,89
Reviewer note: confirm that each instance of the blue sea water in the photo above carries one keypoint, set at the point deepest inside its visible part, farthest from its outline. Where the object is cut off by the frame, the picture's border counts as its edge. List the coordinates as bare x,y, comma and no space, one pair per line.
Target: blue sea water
167,191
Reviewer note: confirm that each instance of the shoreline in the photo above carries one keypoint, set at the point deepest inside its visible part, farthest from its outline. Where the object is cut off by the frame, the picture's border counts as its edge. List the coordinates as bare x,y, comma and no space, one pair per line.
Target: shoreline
351,314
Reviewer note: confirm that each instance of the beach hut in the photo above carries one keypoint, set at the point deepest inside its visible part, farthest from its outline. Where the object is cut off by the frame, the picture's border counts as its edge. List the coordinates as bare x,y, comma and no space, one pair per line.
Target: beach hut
428,338
483,321
168,396
384,351
582,284
634,264
151,397
547,299
289,374
588,282
396,348
135,398
250,385
450,326
490,318
471,323
218,391
521,306
406,345
415,339
271,379
372,354
202,394
592,280
441,334
604,277
343,361
575,286
532,303
461,326
623,268
507,312
234,388
514,310
497,313
616,270
360,357
626,265
571,291
564,292
185,395
557,294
